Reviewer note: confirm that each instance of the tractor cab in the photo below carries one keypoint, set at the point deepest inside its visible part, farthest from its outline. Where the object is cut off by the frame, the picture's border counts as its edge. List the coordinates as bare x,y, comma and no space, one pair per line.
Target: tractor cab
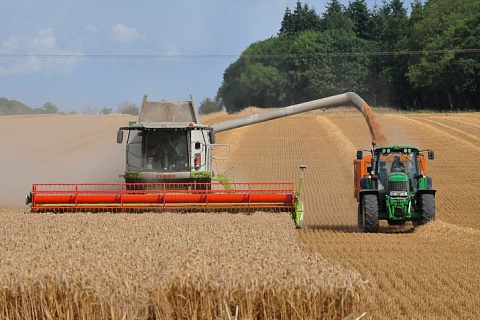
396,166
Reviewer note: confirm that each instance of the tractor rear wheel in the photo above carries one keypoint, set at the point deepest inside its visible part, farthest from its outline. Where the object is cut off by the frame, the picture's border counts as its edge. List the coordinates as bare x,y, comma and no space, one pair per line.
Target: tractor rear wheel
427,202
360,216
370,210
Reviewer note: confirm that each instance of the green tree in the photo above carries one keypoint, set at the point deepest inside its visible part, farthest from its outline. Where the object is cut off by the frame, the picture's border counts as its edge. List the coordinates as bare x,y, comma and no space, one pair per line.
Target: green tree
128,108
106,110
328,63
9,107
255,79
303,18
391,34
49,108
373,52
295,67
361,18
448,73
336,18
259,82
230,90
209,106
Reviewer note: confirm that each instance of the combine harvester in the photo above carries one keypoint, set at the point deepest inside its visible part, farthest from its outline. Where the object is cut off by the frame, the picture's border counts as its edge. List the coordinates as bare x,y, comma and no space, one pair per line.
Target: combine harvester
170,167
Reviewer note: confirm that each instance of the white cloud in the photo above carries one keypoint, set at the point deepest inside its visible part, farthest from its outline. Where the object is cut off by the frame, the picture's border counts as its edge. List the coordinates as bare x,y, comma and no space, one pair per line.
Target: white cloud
45,41
10,44
121,33
171,50
33,54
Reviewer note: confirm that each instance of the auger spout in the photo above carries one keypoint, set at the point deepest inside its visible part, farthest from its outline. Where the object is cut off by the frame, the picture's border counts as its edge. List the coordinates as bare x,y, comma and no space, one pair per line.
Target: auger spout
340,99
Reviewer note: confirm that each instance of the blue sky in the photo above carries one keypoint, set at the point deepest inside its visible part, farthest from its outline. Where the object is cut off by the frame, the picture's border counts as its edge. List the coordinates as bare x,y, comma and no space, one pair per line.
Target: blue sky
186,47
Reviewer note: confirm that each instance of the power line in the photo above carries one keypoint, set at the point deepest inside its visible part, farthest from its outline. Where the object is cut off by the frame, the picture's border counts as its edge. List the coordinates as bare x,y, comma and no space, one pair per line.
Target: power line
219,56
112,56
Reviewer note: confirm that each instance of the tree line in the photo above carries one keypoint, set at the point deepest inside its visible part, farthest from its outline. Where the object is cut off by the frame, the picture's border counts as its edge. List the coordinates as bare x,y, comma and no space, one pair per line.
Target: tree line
427,57
14,107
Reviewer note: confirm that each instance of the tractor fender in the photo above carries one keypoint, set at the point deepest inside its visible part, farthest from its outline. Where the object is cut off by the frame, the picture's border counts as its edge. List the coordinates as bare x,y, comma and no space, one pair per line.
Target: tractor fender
363,183
429,183
425,191
368,191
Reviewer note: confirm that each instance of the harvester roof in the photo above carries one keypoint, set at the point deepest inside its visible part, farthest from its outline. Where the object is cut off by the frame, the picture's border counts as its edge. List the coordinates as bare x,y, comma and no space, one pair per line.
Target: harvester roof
167,111
163,125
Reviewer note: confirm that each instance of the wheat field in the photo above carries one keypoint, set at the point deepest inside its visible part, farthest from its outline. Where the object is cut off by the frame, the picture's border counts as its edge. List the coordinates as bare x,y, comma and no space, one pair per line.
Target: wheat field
235,266
166,266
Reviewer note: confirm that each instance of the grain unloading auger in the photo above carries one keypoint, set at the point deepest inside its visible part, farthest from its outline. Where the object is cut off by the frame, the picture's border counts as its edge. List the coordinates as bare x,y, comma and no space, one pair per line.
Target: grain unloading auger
170,167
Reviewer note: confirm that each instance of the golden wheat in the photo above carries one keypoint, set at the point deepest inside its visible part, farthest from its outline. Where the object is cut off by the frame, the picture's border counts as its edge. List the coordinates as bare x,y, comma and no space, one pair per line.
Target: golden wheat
166,266
430,272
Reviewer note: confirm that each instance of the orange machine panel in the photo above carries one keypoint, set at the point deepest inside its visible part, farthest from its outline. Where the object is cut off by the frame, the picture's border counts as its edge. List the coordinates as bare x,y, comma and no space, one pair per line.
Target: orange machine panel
360,169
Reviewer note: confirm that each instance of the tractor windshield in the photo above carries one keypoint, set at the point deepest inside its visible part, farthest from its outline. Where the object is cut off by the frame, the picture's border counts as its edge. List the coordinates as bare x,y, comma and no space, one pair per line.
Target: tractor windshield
396,161
391,161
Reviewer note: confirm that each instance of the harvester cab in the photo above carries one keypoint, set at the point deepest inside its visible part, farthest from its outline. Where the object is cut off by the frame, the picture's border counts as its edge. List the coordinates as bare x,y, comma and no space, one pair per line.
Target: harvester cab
167,144
392,184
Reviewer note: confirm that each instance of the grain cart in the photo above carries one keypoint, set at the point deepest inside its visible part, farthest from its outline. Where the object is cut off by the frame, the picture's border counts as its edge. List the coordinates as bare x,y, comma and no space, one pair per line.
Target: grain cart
392,184
170,167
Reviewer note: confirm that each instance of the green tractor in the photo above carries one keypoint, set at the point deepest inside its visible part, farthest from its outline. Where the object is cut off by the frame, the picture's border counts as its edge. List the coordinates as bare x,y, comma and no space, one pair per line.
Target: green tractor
392,184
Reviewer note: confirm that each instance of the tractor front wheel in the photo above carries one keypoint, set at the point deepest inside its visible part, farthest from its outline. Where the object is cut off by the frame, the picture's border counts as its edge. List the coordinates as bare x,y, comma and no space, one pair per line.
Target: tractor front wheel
370,212
427,202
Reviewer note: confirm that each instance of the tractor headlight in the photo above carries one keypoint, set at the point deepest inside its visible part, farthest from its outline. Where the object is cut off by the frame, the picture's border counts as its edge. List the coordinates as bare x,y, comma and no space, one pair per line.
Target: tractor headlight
399,193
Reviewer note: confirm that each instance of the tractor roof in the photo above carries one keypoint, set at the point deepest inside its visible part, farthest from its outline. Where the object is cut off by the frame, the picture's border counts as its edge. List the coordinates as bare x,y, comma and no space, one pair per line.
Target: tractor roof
397,148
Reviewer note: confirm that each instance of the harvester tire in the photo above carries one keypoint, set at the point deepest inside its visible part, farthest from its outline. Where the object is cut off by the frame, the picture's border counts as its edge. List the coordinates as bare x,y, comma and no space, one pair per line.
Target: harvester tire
427,202
370,209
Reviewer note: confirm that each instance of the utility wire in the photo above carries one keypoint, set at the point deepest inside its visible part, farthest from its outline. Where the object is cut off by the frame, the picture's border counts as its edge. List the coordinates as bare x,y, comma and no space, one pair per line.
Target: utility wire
218,56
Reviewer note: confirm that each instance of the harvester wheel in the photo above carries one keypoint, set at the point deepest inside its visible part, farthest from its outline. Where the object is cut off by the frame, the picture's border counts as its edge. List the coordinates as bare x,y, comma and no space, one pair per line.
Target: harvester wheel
370,210
427,202
203,184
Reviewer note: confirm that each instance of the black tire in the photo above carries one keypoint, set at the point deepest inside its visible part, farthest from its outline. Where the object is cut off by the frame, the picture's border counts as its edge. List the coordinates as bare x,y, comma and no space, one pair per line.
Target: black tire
370,210
203,184
396,222
360,216
427,203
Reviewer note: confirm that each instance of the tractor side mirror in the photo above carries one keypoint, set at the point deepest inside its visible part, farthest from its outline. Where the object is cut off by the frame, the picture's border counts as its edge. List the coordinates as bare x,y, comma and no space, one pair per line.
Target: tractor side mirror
120,136
359,154
431,155
373,166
